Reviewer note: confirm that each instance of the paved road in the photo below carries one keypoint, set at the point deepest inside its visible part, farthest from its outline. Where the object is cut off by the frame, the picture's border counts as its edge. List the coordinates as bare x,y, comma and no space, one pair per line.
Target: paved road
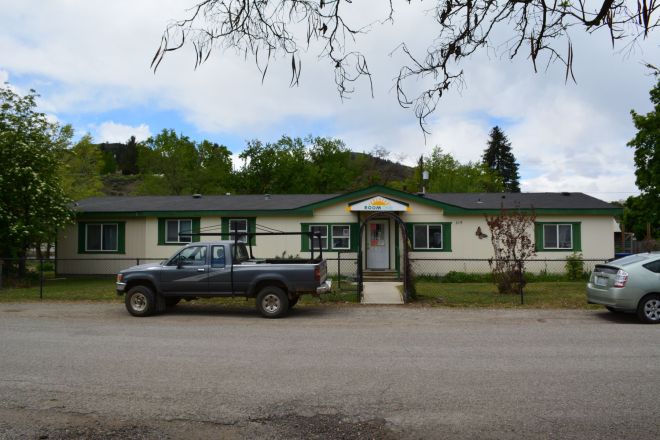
91,370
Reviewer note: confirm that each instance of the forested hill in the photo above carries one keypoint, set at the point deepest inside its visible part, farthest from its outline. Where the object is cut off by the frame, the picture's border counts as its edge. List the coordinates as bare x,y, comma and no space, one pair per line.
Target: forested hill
179,166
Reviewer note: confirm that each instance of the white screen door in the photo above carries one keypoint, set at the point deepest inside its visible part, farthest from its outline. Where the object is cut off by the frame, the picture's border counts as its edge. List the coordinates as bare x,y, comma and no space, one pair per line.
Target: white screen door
378,249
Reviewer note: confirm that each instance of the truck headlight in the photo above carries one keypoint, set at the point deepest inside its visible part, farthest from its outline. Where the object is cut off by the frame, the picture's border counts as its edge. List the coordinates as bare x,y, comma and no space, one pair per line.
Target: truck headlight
120,277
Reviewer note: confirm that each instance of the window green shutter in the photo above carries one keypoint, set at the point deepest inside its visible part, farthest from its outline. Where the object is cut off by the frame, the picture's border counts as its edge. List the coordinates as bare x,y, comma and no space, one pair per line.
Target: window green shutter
195,229
577,237
355,237
446,237
224,228
538,236
121,237
81,237
304,238
252,228
161,231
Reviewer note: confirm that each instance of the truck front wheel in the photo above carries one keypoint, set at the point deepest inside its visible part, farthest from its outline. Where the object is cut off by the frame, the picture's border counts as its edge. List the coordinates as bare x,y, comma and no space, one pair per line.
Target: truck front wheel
140,301
272,302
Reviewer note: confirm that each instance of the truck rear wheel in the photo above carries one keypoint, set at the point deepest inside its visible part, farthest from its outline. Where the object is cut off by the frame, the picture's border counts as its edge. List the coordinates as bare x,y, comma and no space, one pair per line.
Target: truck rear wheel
140,301
272,302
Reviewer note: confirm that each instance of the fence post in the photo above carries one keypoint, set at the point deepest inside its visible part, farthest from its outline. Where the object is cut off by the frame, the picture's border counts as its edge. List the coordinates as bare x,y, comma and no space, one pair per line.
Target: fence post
520,282
137,261
339,270
41,279
1,269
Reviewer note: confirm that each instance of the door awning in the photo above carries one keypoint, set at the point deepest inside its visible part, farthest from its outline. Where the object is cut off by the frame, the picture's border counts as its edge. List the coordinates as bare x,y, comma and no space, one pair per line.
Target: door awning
378,203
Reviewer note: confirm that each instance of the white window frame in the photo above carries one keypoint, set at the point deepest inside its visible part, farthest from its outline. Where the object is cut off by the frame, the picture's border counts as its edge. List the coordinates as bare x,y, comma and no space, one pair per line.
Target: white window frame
242,238
103,225
327,242
556,226
428,238
178,230
332,230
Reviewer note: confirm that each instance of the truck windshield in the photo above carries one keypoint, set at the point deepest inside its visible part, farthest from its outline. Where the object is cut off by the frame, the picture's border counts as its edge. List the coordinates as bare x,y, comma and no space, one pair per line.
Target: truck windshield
241,253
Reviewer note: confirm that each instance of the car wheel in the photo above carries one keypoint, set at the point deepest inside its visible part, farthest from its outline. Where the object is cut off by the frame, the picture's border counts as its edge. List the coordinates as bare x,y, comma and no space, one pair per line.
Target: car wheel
293,301
613,310
140,301
172,301
648,310
272,302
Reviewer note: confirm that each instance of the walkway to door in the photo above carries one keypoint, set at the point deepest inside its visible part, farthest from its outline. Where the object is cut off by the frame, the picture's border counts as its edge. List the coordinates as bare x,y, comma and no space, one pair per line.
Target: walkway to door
382,292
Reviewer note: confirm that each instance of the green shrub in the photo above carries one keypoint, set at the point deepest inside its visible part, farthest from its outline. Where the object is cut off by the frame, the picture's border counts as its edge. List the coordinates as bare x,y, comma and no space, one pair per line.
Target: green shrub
575,267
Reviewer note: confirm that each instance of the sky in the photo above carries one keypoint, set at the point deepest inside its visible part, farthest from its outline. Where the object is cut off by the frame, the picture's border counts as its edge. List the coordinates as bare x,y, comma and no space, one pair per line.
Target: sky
89,61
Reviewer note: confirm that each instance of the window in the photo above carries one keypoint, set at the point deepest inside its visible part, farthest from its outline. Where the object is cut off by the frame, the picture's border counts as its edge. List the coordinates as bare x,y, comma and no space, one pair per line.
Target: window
217,256
314,240
654,266
102,237
558,236
427,236
190,256
174,229
239,225
341,237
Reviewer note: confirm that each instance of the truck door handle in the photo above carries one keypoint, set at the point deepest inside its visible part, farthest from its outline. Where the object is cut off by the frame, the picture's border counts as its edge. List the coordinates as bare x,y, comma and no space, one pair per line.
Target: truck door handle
201,269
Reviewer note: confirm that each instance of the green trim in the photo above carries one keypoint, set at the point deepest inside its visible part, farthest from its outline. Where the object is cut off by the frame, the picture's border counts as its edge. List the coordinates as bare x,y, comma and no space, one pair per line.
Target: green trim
446,236
121,237
252,227
576,233
376,195
162,221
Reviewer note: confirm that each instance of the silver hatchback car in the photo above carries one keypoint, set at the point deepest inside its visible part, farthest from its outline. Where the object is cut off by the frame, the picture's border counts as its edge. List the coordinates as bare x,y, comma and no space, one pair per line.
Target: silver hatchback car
629,284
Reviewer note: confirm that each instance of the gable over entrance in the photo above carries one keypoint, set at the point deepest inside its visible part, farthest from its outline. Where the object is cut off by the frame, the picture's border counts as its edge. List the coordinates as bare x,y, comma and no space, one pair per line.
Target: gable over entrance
378,204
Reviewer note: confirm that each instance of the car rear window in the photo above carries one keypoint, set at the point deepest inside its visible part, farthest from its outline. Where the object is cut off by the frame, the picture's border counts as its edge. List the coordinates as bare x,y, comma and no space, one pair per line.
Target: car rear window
653,266
630,259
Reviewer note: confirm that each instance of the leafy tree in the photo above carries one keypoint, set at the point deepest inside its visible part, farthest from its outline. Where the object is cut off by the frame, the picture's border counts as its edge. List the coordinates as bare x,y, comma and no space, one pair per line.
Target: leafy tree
647,164
446,174
535,28
81,169
499,158
215,174
172,162
332,168
33,204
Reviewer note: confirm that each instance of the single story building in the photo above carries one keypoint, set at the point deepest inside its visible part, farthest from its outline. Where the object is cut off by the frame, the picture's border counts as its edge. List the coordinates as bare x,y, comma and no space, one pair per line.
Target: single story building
112,233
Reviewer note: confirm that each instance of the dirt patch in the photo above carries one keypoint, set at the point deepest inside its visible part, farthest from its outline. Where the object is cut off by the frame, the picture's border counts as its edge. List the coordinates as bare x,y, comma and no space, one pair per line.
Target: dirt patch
18,423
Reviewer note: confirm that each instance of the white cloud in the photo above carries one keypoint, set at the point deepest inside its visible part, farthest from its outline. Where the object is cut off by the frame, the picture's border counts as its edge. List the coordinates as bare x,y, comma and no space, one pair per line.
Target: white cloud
113,132
94,58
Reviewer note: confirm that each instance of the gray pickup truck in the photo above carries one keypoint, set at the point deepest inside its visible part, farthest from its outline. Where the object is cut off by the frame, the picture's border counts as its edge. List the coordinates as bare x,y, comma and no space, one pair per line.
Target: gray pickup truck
221,268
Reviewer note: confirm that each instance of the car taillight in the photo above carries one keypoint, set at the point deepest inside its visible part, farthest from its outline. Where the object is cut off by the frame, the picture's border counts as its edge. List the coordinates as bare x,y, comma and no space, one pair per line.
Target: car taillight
317,274
621,278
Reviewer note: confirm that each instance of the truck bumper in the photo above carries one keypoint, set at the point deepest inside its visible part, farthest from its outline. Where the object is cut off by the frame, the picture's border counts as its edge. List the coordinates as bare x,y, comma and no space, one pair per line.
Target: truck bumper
325,287
121,287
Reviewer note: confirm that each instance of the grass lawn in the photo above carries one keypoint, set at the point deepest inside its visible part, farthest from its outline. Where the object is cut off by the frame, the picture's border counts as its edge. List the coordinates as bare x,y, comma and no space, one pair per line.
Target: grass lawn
540,295
563,295
103,289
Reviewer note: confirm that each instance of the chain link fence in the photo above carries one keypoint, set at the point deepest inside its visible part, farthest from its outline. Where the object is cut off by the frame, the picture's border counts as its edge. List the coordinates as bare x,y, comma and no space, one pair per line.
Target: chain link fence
43,275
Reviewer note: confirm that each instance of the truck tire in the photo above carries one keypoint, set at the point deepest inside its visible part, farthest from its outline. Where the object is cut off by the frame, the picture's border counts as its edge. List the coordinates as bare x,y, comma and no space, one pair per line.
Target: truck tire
293,301
272,302
140,301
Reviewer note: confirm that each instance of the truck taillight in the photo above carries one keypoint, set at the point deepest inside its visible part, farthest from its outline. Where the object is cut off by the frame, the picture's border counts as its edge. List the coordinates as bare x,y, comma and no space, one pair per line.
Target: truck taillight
317,274
621,278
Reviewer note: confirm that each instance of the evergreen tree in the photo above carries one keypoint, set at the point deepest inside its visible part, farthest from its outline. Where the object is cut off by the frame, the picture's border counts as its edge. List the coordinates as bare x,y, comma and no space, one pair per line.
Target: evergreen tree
499,158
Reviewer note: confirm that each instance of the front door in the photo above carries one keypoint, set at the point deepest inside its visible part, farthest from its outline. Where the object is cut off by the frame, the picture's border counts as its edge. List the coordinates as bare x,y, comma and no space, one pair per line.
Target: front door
378,250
